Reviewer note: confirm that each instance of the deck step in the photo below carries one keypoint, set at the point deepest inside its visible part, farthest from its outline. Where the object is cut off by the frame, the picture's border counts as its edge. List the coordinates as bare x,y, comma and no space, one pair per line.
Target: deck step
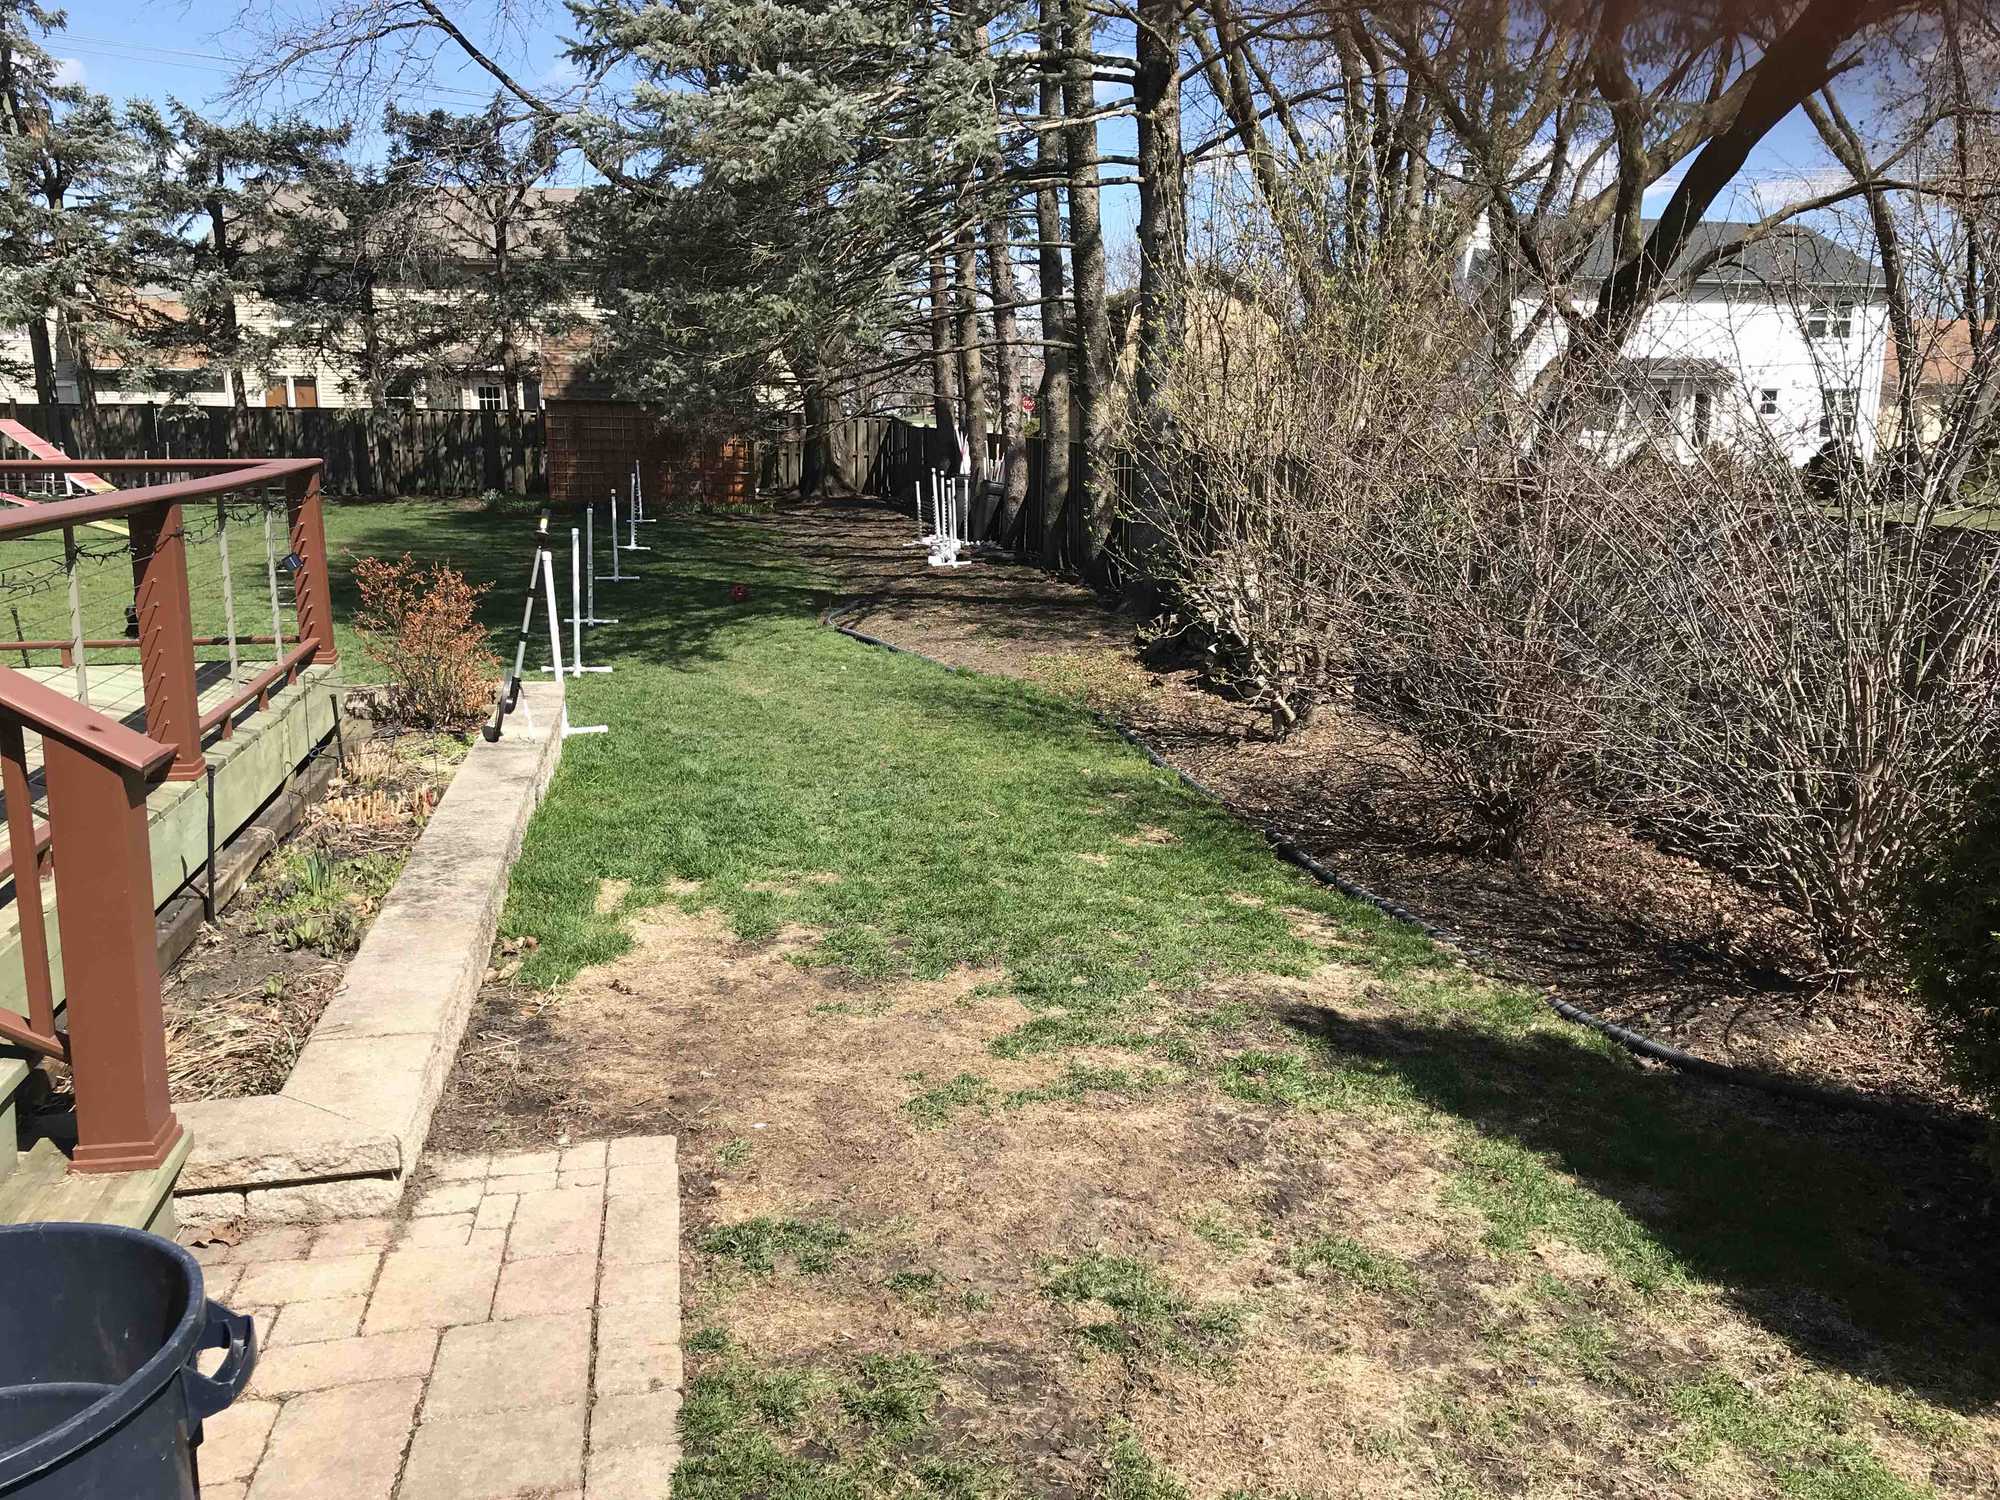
41,1187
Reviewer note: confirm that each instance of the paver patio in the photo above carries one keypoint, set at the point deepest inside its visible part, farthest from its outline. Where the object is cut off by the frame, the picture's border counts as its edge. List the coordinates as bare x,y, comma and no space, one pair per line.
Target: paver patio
516,1333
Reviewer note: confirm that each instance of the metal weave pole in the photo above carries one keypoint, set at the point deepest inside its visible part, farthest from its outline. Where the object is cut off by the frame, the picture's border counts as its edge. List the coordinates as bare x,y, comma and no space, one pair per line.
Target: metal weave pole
564,727
510,687
616,576
271,574
639,495
631,520
75,615
576,619
590,614
229,588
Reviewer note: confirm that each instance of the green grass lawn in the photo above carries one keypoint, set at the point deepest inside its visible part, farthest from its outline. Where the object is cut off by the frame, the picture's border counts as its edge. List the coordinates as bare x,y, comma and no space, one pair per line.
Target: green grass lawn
954,820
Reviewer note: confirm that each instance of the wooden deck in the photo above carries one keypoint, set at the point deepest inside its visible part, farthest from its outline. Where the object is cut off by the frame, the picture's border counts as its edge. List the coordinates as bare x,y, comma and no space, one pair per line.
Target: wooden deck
118,690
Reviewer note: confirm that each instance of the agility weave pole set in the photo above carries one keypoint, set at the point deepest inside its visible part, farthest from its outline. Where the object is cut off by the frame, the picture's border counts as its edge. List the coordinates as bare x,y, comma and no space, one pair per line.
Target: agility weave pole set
542,582
950,509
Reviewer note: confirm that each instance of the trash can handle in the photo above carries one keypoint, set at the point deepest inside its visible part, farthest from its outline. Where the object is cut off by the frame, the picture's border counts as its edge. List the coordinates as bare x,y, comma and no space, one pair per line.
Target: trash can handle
209,1394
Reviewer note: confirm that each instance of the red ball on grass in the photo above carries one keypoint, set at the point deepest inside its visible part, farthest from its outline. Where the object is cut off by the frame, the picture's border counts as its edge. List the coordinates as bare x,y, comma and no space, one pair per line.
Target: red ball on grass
739,592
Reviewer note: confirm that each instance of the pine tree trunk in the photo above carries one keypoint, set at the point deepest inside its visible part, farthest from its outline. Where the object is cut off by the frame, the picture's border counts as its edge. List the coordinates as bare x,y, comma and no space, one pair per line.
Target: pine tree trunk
1092,341
1007,373
1162,209
1052,400
971,366
1162,239
42,348
943,398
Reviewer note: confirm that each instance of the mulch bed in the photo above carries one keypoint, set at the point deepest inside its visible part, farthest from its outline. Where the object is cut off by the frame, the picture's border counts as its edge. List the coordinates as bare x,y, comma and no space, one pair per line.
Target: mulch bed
242,1002
1599,917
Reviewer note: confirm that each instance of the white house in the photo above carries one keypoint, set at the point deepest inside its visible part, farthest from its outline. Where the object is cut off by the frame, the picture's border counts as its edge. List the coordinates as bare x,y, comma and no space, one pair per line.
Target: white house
1779,342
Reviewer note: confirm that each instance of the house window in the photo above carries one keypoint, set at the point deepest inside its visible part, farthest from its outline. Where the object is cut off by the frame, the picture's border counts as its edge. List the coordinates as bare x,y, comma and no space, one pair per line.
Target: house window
1704,417
531,393
1836,417
1830,320
490,397
305,390
1604,410
1767,402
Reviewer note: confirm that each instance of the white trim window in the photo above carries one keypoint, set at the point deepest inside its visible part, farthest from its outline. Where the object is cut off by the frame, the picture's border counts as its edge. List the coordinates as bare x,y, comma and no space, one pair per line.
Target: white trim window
1767,402
1837,413
1830,320
489,397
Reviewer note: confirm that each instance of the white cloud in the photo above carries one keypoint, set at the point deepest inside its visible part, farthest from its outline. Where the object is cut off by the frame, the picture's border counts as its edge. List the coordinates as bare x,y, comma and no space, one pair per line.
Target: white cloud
69,70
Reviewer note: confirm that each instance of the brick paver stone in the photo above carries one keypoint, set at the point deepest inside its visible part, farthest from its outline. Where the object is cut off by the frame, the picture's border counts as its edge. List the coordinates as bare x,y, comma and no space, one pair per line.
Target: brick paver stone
233,1440
352,1236
518,1335
633,1149
496,1455
514,1163
634,1421
315,1367
448,1198
315,1322
538,1362
308,1280
557,1223
344,1443
642,1229
632,1473
651,1284
587,1154
433,1287
496,1211
639,1352
549,1284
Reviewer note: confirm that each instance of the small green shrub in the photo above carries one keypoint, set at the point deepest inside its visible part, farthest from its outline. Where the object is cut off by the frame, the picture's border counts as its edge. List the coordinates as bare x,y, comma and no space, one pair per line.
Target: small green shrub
1951,926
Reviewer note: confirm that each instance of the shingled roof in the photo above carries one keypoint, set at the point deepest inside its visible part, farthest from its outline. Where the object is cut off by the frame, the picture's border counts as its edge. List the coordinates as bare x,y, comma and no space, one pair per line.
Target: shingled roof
1790,257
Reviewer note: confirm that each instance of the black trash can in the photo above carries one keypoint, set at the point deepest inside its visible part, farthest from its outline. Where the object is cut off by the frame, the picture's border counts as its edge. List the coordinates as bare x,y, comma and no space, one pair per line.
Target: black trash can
99,1395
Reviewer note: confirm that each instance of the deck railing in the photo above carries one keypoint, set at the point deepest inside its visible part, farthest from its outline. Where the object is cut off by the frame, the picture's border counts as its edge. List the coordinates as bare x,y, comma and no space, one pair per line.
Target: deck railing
97,771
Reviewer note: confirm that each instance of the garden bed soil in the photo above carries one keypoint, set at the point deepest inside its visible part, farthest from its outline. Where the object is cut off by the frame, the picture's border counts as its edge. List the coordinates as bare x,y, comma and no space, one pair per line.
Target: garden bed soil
246,996
1598,917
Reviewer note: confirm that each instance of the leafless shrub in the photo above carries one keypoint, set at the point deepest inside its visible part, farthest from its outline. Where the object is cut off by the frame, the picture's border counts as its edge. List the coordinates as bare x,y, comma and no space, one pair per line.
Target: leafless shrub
1817,685
1346,508
1786,674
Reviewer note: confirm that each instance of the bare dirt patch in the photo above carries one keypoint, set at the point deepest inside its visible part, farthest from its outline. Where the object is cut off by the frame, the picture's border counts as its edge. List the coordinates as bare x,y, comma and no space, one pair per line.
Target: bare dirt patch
1262,1370
1613,924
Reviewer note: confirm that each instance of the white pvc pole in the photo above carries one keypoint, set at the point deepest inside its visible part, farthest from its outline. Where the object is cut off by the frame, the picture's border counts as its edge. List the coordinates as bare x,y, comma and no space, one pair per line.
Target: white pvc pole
616,577
575,603
632,518
590,551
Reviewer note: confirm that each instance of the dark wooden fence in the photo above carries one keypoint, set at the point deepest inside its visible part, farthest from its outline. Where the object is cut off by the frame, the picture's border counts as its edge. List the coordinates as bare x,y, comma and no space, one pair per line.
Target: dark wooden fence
396,451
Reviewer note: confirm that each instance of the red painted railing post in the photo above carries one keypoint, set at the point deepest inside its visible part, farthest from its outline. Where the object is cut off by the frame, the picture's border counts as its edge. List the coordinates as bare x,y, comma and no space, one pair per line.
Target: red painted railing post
166,636
311,585
104,912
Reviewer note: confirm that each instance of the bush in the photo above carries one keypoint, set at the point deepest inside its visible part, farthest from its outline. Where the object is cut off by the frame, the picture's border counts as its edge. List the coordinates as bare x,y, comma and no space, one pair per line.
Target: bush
419,624
1951,945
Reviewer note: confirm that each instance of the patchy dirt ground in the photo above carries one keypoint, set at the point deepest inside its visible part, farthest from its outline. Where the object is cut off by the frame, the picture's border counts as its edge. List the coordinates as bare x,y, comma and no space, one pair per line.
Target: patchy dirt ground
1610,923
1086,1247
242,1001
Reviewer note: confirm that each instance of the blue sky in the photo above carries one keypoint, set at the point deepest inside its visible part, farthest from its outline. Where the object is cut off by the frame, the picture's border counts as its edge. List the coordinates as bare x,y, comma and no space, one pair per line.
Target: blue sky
129,48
